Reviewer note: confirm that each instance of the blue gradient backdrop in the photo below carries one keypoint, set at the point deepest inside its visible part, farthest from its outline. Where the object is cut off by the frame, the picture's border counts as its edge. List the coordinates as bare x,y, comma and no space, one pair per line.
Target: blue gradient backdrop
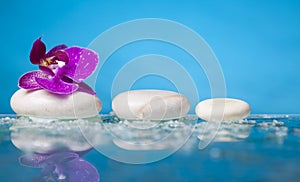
257,43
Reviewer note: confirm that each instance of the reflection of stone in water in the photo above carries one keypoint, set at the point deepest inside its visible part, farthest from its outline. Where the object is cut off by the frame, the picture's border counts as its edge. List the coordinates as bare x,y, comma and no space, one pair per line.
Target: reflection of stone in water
165,136
142,124
136,145
56,146
47,136
163,130
132,146
228,131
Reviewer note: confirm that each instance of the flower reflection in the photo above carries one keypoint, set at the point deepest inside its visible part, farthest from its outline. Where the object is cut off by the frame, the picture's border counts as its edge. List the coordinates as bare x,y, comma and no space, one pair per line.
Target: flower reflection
56,147
60,166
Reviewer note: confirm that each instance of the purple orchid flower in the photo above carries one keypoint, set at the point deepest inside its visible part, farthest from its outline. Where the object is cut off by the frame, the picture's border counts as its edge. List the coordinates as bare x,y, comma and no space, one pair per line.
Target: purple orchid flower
62,69
61,166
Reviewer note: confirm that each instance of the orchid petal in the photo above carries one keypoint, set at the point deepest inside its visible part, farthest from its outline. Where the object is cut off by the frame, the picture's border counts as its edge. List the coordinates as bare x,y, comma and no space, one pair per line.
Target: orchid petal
46,70
38,51
75,170
83,87
82,63
67,79
54,49
61,56
57,86
27,80
33,160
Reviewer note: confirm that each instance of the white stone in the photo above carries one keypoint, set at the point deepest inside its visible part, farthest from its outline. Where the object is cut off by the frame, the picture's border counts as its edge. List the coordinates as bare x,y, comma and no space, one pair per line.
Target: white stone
43,104
150,105
222,109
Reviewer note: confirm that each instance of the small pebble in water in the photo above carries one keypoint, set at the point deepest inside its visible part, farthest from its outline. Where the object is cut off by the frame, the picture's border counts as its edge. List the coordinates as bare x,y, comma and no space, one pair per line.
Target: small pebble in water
175,124
273,123
277,123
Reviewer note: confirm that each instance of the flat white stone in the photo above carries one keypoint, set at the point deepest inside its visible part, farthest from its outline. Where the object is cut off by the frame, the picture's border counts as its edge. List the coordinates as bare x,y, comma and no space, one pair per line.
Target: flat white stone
43,104
150,105
222,109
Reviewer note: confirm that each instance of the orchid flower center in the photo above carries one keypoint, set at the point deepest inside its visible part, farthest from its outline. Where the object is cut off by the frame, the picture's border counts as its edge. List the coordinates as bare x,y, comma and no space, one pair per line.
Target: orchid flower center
55,66
47,61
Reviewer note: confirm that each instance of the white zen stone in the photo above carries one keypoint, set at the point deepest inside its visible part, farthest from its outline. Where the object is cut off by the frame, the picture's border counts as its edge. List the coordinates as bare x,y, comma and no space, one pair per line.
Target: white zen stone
150,105
222,109
43,104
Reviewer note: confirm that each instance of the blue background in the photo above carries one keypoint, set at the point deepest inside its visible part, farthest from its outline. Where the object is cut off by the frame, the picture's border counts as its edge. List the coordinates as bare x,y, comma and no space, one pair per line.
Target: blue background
257,43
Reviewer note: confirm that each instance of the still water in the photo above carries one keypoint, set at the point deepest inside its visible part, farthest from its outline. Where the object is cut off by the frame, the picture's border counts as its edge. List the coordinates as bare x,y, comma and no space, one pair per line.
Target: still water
259,148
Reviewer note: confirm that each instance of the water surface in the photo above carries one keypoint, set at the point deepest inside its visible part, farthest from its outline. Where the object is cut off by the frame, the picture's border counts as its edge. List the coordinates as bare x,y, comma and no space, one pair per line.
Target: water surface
259,148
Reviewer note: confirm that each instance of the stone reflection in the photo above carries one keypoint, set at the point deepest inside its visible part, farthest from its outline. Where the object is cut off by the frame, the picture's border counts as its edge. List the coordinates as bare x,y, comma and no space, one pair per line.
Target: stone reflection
140,141
57,147
229,131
